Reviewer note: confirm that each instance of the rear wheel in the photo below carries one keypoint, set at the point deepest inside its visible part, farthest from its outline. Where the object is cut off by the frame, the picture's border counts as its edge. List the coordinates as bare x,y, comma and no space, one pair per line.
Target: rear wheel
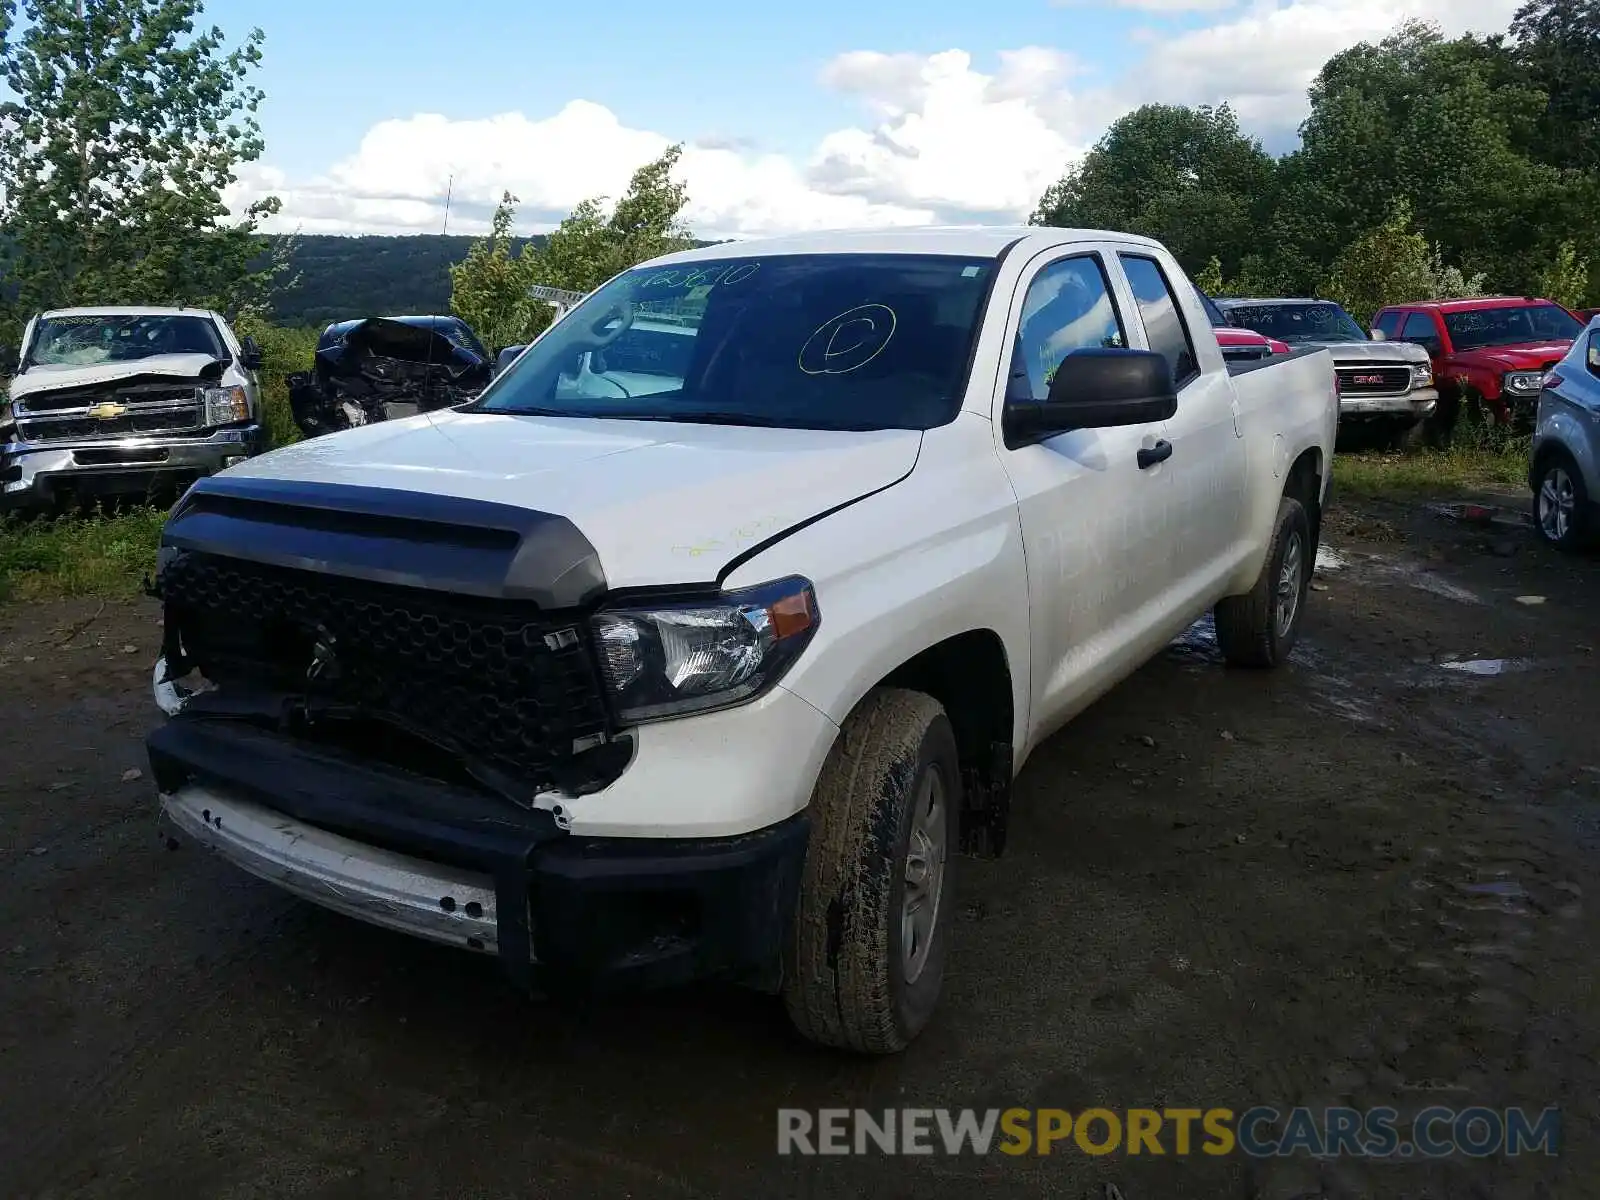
1259,628
1561,507
865,962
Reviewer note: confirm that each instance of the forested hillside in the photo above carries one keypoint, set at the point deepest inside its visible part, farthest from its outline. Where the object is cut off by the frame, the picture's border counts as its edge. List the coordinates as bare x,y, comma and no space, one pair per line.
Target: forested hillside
341,277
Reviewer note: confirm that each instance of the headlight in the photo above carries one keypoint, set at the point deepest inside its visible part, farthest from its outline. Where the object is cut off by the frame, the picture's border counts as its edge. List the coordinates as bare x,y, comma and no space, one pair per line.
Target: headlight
1524,381
225,405
672,659
1421,375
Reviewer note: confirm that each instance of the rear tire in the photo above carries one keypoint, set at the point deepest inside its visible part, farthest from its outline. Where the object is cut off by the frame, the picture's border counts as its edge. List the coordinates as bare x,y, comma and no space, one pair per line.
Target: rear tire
1259,628
863,968
1562,513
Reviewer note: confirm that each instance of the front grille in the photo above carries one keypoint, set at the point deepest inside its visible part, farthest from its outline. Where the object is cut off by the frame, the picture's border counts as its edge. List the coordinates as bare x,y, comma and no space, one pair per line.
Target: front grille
499,680
38,429
130,394
1373,380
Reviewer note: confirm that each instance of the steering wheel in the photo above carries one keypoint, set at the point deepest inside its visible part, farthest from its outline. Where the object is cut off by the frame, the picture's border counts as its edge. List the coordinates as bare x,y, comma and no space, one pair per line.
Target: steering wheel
622,313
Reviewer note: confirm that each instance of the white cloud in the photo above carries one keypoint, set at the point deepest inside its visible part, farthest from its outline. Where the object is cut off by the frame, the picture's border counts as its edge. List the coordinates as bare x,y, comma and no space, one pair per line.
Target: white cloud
944,141
947,143
1263,60
1157,6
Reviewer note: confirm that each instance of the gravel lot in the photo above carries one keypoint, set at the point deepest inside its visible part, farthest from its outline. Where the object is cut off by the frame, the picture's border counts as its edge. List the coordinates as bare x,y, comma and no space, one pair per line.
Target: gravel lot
1368,878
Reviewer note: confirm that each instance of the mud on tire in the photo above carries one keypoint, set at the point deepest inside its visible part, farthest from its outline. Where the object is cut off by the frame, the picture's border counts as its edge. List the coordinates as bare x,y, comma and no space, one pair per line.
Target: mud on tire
848,979
1251,631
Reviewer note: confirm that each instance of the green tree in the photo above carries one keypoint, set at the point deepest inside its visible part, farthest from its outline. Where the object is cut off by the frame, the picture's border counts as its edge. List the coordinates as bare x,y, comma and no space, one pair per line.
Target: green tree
591,245
1389,264
489,288
1450,127
122,129
1185,176
1558,42
1209,278
1565,278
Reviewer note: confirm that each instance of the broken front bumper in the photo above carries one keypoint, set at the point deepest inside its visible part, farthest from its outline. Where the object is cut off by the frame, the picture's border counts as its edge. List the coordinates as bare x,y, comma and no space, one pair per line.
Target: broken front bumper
35,473
454,865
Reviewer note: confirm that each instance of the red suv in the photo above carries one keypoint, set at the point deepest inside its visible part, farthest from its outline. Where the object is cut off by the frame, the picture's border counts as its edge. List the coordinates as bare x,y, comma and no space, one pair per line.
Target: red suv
1496,348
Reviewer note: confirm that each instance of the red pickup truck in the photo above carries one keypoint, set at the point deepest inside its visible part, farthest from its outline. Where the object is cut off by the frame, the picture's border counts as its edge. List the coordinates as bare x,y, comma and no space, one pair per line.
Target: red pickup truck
1495,348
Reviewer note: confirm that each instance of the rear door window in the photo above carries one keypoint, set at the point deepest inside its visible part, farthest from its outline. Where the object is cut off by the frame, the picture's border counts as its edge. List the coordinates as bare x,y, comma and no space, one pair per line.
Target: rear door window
1164,325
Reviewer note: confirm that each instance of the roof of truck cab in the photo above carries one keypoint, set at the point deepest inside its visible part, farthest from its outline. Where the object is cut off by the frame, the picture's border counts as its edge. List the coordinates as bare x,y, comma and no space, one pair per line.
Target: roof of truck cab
1230,301
974,241
1475,303
125,310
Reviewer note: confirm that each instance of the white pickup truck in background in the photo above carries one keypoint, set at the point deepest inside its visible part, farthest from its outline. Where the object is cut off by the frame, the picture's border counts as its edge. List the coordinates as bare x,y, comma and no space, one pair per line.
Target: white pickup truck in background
702,640
126,401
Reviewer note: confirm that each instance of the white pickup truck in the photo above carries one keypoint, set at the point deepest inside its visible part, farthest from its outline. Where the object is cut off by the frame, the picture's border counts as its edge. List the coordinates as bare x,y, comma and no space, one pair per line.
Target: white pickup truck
122,401
701,641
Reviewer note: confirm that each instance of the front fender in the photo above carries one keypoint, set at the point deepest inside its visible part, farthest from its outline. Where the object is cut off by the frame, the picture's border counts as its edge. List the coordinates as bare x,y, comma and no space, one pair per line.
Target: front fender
936,555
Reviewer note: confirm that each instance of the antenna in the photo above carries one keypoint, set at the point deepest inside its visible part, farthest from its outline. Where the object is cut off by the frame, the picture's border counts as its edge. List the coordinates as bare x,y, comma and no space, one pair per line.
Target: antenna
427,364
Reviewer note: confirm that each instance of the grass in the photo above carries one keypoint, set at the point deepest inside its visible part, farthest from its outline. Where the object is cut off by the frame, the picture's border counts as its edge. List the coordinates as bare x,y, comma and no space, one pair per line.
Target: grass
1481,457
94,554
1431,472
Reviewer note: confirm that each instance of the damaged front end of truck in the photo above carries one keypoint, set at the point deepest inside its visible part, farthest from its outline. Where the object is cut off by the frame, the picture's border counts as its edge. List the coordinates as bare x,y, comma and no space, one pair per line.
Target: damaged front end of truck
383,368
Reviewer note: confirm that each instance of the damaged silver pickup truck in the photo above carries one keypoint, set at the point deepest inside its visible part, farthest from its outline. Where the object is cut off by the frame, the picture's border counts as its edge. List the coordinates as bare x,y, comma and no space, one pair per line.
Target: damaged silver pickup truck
125,401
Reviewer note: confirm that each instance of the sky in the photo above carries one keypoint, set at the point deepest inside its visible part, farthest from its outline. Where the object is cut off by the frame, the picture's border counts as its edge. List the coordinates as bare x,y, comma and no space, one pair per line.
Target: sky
827,114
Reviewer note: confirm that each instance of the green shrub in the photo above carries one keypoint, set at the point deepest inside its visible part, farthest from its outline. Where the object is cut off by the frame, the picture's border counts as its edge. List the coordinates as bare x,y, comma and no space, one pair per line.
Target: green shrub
93,554
283,352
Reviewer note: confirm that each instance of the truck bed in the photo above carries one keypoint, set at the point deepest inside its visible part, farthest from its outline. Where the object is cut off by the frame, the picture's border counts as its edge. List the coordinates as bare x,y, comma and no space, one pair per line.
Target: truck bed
1256,364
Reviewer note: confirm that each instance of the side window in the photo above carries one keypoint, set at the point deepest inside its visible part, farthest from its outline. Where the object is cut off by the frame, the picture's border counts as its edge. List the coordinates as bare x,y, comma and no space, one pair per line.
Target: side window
1419,328
1388,323
1163,319
1068,307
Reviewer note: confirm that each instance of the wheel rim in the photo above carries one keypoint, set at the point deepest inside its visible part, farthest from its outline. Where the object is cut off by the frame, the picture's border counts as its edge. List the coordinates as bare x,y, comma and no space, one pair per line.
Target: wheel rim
1557,498
1289,579
924,874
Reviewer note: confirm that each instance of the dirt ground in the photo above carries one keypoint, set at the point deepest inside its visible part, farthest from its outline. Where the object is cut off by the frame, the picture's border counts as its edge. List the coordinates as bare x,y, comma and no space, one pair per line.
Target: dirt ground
1369,878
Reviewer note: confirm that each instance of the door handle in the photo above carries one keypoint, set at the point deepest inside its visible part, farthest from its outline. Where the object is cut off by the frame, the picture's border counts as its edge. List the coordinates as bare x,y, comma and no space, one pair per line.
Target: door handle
1158,453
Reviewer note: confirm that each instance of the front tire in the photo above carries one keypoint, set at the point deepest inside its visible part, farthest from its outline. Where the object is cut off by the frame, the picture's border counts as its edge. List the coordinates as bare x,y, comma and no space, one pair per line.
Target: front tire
865,961
1561,507
1259,628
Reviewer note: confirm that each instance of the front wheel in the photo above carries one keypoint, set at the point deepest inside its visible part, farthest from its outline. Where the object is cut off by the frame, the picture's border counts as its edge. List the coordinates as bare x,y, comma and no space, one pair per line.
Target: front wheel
865,961
1561,512
1259,628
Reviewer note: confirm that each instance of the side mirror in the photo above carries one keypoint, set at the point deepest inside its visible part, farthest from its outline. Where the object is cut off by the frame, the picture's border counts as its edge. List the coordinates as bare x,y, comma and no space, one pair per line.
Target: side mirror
250,354
1378,335
1095,389
506,357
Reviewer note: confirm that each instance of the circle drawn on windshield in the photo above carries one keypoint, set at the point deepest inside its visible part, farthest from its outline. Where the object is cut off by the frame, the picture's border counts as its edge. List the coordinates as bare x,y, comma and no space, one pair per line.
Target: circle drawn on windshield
848,341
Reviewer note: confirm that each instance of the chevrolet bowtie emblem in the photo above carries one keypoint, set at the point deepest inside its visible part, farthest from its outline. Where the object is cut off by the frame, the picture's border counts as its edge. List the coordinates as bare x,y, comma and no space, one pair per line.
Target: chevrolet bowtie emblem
108,410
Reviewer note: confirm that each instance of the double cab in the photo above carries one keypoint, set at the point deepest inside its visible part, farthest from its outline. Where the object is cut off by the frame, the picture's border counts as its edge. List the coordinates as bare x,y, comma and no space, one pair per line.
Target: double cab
700,643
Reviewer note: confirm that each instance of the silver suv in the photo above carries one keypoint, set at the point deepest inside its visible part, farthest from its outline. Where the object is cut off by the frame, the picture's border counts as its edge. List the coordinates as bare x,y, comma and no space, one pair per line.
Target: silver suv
1564,470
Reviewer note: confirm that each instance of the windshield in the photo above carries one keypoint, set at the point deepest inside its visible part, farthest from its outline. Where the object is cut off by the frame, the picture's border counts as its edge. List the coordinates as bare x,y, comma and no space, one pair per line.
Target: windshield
85,341
1298,323
1478,327
807,341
